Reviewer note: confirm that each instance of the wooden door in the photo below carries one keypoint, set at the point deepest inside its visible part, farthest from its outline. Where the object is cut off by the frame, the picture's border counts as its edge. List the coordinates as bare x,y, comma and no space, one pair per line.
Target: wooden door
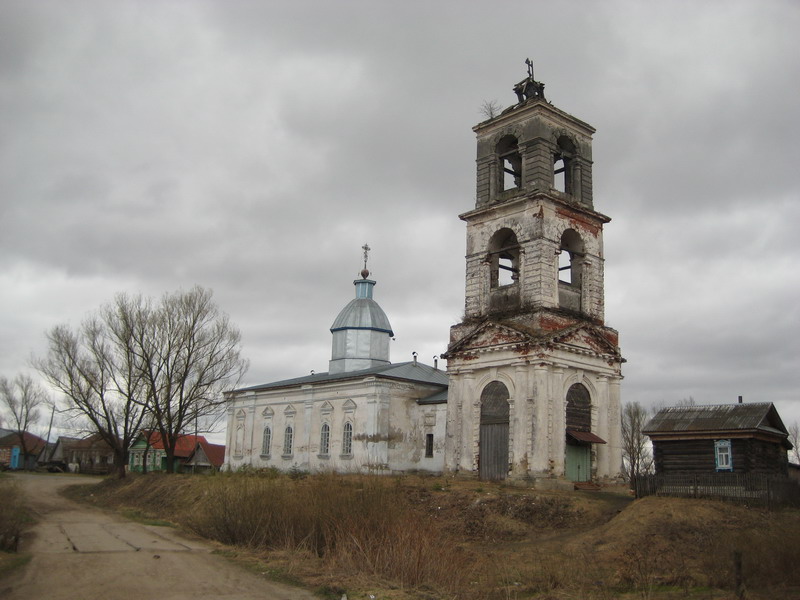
578,462
493,447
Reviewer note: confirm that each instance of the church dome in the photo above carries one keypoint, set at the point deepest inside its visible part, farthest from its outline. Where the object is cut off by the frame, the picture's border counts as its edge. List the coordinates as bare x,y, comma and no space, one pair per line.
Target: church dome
362,313
361,332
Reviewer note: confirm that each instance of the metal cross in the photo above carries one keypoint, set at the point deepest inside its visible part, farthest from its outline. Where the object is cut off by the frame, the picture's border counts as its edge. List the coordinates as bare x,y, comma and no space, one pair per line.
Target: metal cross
529,62
366,250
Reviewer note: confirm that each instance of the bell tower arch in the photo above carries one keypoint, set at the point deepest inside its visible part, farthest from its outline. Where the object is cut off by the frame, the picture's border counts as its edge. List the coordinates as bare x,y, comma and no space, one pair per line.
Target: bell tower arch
534,295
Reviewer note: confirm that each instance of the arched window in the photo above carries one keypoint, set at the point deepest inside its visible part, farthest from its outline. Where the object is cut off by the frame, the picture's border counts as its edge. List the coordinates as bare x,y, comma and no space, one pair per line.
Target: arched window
266,441
570,270
325,439
288,438
563,165
504,258
347,439
579,408
510,163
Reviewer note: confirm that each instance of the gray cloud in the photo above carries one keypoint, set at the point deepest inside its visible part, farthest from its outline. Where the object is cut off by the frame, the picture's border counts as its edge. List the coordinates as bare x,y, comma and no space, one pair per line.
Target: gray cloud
254,147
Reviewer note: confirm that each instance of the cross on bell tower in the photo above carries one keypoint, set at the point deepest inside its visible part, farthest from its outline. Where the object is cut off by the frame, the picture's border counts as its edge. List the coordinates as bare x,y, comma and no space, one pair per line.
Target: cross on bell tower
533,330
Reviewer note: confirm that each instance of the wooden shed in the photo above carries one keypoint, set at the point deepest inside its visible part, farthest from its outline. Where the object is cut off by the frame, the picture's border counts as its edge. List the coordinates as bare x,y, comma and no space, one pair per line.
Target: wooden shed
730,438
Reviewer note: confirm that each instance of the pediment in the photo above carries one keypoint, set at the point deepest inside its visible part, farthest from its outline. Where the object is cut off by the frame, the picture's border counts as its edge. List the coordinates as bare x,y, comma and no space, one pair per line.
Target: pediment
241,414
267,412
586,338
326,407
290,410
349,405
490,335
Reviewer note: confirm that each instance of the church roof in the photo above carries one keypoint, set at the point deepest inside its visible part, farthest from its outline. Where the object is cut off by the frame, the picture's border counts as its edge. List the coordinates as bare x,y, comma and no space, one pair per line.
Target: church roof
407,371
362,313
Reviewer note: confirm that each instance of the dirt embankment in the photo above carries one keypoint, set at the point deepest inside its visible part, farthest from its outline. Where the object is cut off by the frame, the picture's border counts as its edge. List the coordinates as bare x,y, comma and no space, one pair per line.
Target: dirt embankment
522,543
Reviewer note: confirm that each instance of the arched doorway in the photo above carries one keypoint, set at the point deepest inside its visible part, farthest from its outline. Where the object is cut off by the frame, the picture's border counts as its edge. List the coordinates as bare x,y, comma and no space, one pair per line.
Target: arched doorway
493,457
578,452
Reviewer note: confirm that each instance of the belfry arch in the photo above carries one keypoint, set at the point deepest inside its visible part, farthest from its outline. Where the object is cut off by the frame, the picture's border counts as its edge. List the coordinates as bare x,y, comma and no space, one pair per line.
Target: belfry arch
493,447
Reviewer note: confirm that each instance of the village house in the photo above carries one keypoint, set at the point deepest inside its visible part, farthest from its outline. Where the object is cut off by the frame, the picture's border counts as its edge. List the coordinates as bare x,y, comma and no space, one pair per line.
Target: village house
532,388
90,455
147,453
11,453
740,438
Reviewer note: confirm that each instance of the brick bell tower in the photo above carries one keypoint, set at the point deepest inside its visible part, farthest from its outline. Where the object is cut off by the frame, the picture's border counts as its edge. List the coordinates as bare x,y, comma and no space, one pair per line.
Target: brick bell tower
534,372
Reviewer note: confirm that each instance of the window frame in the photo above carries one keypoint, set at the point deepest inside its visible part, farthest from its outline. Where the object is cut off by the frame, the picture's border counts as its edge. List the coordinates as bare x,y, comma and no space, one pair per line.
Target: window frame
288,442
266,441
723,455
324,441
347,439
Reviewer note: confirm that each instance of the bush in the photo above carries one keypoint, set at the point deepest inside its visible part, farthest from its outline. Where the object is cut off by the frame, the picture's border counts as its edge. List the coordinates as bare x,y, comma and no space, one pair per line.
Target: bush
361,524
14,516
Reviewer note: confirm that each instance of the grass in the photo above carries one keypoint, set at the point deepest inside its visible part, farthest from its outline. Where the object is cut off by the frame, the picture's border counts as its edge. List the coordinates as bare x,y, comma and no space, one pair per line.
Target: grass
407,537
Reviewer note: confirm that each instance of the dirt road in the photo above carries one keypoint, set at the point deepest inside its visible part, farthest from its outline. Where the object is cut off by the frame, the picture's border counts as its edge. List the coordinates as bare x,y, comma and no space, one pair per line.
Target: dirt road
80,553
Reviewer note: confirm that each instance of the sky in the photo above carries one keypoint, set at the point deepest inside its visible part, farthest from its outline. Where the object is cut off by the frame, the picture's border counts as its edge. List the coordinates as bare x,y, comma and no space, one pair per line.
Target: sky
253,147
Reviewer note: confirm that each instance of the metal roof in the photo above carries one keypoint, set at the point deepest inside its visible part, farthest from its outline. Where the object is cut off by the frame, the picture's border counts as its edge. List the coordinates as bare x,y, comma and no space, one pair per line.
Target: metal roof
408,371
362,313
585,436
437,398
726,417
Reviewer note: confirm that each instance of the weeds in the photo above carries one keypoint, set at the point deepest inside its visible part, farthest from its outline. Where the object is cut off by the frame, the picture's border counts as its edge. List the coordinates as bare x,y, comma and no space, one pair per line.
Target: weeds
14,516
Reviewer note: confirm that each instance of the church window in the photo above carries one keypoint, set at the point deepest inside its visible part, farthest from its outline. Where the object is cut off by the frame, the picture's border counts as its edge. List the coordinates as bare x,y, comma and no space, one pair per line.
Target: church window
428,445
288,439
570,270
504,258
579,408
325,440
563,163
347,439
266,441
510,163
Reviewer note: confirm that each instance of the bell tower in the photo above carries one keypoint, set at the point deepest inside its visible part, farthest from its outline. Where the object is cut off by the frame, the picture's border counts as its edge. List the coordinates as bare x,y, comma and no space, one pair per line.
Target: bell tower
534,305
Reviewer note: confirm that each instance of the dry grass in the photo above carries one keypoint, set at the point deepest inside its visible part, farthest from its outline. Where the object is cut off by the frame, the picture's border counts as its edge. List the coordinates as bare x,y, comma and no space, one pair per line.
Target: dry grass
13,516
402,538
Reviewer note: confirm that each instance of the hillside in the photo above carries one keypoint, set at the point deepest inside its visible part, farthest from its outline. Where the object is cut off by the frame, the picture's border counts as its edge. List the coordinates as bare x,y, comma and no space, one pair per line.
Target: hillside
409,537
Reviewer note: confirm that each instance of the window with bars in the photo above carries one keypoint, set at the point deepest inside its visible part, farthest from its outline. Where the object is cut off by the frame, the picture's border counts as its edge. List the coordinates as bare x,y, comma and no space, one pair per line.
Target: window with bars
266,441
288,439
347,439
325,440
429,445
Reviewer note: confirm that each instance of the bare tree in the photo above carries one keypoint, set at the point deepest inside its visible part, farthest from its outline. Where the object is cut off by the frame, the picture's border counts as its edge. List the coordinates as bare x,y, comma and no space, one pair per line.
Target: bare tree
490,108
190,353
637,458
22,396
100,374
137,362
794,438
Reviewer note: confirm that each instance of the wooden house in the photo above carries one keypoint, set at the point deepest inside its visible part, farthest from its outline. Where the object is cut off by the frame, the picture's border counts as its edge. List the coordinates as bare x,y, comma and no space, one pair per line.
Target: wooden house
193,453
731,438
90,455
11,453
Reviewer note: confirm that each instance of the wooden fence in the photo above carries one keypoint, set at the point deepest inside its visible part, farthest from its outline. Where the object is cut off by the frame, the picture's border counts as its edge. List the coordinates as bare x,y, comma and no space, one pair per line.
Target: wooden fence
767,491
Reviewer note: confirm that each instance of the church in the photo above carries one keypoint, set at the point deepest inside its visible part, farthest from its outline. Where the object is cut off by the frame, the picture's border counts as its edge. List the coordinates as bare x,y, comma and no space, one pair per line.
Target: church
532,387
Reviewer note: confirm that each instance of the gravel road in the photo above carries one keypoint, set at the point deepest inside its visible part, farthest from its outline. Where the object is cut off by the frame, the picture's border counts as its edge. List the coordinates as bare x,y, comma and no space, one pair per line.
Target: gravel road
81,553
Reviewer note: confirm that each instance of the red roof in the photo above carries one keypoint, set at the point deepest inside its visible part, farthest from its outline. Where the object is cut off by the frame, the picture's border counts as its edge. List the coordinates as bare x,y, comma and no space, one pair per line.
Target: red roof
34,443
184,447
214,452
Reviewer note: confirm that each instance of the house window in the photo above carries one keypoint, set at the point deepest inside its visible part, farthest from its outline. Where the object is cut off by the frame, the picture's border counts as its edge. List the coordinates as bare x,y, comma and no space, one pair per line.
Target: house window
428,445
325,440
347,439
723,455
288,437
266,441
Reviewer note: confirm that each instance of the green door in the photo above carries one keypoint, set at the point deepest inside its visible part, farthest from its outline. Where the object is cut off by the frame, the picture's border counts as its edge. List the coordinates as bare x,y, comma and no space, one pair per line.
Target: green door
578,459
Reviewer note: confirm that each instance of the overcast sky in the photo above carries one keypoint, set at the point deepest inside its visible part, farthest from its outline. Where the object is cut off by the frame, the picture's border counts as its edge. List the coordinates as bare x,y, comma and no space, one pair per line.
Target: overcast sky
253,147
